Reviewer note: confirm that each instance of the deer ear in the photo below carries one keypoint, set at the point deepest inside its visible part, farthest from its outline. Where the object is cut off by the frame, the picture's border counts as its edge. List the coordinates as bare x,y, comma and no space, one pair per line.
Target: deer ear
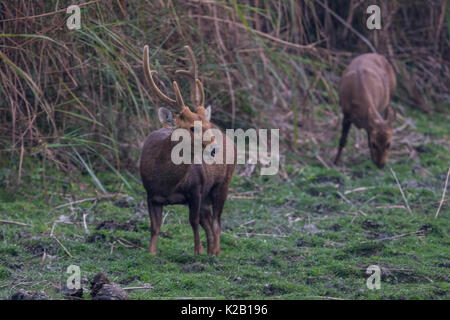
391,115
166,117
208,113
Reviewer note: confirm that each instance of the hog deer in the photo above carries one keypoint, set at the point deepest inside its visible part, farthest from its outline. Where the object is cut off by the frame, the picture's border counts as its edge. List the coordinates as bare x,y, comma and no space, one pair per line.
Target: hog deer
365,91
202,187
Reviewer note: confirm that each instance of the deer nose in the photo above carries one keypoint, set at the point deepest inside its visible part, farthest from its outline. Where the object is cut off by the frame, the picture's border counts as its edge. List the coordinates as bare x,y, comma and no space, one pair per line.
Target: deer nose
380,165
214,150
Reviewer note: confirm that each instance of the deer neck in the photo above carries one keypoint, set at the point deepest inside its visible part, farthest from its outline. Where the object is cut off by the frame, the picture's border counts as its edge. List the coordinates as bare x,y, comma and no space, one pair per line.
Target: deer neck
375,120
173,175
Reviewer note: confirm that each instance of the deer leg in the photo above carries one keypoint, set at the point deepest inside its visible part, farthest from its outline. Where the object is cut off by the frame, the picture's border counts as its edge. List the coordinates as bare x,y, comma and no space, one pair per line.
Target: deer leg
206,223
194,219
219,196
155,212
346,123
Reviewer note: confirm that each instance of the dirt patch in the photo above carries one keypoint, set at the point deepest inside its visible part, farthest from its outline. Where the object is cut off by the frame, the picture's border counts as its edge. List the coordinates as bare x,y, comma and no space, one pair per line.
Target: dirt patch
313,192
328,179
312,229
376,236
335,227
370,224
265,261
422,149
124,203
95,237
305,243
29,295
358,174
24,234
130,225
273,290
239,280
193,268
165,234
103,289
366,249
340,285
319,279
396,275
72,294
36,248
161,261
290,255
128,280
14,265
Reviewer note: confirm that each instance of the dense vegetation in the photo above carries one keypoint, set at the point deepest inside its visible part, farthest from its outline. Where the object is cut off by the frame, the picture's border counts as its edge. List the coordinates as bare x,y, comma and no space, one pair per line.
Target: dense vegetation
75,108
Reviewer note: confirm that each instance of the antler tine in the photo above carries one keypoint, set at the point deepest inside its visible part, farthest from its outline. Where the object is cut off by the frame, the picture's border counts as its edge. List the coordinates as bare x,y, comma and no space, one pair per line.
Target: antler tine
192,72
197,93
178,103
178,96
201,91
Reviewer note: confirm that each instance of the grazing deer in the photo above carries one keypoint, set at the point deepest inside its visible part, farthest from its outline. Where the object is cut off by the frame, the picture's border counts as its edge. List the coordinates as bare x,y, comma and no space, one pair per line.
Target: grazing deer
365,91
201,186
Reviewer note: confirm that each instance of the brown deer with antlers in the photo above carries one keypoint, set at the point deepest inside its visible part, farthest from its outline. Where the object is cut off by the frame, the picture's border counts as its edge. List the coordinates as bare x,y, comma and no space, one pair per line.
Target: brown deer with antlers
203,187
365,91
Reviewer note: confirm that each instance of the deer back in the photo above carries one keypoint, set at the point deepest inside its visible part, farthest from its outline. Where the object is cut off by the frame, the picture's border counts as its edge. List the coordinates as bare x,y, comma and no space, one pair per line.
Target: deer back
366,88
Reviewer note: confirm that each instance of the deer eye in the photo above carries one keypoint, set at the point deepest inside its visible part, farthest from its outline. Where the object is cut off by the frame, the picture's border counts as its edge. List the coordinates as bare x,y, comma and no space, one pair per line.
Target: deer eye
388,146
374,145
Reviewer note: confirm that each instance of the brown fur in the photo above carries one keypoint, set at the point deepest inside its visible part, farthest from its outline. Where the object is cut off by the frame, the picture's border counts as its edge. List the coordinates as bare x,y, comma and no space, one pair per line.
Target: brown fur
203,187
365,91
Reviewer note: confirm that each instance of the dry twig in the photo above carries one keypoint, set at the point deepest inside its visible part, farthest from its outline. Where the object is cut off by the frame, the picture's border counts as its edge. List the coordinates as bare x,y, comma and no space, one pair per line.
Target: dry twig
401,191
443,194
15,223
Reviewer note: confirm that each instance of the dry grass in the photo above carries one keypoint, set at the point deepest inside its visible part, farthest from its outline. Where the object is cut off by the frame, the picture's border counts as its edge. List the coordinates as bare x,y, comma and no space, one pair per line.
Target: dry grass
78,98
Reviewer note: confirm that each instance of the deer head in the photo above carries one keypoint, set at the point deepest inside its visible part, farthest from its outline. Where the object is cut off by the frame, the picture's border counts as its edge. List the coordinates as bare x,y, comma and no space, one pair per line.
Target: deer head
380,136
184,118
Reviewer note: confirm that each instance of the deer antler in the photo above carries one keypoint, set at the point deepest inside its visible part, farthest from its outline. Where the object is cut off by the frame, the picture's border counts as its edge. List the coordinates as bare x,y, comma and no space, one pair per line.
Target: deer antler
197,92
178,103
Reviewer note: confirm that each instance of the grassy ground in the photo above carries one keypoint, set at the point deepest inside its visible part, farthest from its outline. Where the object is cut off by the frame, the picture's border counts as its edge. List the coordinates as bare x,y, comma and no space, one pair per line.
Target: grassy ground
308,233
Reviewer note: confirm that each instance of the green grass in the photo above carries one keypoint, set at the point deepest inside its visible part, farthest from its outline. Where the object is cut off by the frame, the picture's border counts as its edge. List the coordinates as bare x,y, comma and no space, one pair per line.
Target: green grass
293,238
